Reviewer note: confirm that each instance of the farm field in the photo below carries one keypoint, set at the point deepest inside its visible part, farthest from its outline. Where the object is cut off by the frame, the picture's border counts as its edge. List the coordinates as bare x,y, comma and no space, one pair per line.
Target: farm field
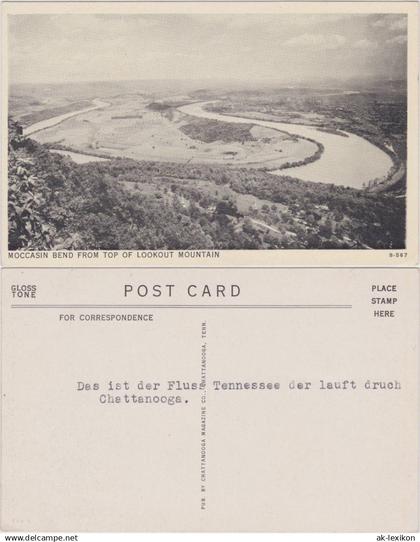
131,128
213,169
220,131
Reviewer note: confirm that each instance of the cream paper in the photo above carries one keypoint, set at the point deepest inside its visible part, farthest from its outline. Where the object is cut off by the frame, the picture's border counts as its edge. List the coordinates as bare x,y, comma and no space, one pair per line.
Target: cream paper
140,400
167,254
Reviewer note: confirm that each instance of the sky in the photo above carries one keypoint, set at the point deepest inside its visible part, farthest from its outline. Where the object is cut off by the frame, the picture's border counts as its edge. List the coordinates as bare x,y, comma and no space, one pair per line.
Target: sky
280,47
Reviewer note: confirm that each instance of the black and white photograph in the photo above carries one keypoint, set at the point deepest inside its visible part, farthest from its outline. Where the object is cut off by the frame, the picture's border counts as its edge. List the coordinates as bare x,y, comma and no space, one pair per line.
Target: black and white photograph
207,131
210,270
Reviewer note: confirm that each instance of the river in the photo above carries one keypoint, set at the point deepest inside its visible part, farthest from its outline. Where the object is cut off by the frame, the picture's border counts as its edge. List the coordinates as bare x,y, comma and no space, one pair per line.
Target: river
52,121
347,161
79,157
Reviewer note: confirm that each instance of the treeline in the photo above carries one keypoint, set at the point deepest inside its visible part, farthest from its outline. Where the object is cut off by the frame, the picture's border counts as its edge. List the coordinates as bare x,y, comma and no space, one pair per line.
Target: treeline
38,116
208,131
55,203
308,159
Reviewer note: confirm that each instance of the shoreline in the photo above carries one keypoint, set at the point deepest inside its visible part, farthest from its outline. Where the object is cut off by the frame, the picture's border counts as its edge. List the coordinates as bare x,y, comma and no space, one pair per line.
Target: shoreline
372,185
396,161
36,127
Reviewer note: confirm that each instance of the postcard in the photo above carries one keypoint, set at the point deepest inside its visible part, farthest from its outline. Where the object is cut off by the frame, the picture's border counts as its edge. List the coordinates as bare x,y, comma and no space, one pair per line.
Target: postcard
217,134
198,400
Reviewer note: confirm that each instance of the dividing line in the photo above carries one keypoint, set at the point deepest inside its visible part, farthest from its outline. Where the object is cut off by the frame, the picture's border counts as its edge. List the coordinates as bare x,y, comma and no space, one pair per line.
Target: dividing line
190,306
